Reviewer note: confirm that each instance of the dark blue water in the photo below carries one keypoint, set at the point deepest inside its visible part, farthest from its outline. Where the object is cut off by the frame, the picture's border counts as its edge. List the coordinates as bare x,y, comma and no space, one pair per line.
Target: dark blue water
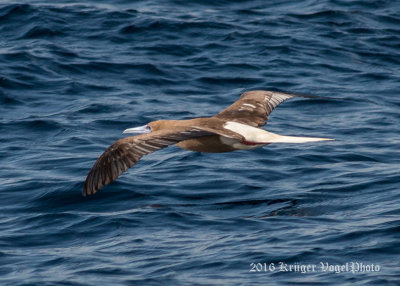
75,74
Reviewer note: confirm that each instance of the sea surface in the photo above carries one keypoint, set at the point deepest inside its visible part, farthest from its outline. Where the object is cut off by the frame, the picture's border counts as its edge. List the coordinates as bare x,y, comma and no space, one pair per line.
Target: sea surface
75,74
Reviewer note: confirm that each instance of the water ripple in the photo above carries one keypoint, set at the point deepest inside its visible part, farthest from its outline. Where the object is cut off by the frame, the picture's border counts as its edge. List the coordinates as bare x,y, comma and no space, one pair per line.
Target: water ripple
75,74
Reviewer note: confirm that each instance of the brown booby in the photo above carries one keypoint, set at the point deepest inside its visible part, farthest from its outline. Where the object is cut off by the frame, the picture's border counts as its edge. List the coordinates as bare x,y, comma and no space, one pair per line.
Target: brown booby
238,127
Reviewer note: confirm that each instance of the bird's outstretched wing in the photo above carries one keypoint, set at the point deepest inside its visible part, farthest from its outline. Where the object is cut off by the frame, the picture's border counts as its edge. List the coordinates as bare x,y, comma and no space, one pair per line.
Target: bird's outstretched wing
126,152
253,107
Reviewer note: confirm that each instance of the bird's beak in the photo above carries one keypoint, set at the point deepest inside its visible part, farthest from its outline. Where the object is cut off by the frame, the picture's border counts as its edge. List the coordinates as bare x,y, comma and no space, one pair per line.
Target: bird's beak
139,130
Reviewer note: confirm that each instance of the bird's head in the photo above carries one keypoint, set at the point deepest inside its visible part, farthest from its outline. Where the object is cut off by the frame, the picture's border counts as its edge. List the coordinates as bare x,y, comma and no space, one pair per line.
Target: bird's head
139,130
151,126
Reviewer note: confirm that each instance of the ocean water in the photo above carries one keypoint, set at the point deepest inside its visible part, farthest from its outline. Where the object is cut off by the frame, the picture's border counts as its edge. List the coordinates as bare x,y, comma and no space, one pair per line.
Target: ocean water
75,74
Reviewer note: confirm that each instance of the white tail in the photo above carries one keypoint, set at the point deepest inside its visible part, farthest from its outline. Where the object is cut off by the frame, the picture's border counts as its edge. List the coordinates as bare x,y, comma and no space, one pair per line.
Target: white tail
257,135
294,139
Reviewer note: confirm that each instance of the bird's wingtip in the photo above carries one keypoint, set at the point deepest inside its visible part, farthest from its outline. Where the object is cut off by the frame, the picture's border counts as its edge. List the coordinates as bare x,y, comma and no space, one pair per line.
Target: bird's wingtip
86,191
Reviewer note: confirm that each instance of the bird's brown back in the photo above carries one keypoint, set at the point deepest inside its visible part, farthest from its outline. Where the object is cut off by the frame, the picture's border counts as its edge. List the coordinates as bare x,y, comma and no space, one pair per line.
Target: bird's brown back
209,143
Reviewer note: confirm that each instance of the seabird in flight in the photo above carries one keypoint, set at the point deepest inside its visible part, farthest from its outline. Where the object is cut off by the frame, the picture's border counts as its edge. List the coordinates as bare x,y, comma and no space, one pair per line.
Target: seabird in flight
238,127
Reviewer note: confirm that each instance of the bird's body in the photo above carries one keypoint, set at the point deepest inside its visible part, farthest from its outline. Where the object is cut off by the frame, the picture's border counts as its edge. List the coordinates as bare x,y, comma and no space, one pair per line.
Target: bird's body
207,143
237,127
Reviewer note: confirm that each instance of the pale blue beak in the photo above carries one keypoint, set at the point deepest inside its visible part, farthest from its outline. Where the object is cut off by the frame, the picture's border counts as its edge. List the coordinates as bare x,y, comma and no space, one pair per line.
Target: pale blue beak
138,130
